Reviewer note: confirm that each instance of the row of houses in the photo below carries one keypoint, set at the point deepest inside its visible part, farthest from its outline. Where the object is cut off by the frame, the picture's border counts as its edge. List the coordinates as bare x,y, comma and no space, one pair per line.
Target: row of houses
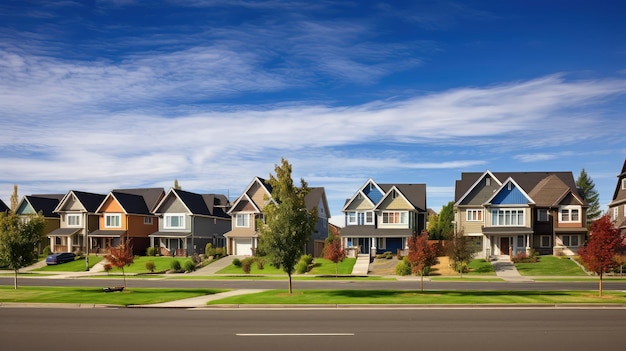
505,213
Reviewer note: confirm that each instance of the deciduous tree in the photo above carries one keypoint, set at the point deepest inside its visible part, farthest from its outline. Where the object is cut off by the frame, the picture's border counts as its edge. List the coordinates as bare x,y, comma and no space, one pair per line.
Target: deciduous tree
421,256
604,243
589,193
121,256
18,240
461,250
288,224
333,250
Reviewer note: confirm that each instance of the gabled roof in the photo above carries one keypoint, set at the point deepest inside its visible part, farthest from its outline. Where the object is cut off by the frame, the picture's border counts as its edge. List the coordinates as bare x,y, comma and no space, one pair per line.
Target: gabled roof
415,194
135,201
151,196
89,201
44,203
619,195
463,187
550,191
245,197
369,182
198,204
505,185
3,206
313,198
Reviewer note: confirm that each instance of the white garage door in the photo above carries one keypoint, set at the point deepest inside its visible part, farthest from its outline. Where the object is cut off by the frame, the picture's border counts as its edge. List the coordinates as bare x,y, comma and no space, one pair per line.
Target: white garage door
243,247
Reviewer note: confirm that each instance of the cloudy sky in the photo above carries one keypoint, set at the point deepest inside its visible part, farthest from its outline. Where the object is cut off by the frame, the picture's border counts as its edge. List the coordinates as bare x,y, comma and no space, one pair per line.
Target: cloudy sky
104,94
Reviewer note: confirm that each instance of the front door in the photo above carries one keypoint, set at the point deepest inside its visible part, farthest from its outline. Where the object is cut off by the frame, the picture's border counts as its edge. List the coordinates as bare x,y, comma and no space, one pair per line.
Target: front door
504,246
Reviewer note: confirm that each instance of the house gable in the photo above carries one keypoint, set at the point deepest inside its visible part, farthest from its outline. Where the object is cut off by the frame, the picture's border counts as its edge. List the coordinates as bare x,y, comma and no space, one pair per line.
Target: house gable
619,195
24,208
394,200
258,194
110,205
365,198
480,191
171,204
510,194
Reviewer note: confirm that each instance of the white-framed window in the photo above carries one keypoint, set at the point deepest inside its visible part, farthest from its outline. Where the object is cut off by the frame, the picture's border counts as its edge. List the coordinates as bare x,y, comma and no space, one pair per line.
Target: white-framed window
569,214
381,243
571,240
542,215
369,217
352,218
615,212
545,241
508,217
624,184
488,181
395,217
474,215
112,220
73,219
174,221
147,220
360,218
242,220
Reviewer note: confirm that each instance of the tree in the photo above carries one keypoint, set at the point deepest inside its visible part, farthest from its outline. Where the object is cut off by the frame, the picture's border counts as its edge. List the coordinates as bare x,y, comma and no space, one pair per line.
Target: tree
19,240
433,226
441,227
589,194
176,185
14,199
333,250
121,256
461,250
604,243
288,224
421,256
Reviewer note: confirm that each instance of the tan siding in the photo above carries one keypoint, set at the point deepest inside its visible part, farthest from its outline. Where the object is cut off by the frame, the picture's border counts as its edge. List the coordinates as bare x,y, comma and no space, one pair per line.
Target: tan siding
258,195
395,204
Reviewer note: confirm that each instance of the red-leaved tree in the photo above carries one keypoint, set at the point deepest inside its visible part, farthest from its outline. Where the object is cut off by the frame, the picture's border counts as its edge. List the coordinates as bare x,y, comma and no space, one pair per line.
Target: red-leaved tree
121,256
421,256
333,250
604,243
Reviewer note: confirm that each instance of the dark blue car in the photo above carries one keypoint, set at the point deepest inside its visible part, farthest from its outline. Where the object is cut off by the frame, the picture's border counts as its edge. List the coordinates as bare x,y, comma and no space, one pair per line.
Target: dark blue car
58,258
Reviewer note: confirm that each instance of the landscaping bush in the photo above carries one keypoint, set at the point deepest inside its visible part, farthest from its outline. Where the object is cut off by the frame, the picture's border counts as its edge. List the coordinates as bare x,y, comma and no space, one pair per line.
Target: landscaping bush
246,264
220,252
301,267
175,265
388,255
189,266
308,259
47,251
209,250
403,268
151,251
150,266
260,263
523,257
236,262
108,267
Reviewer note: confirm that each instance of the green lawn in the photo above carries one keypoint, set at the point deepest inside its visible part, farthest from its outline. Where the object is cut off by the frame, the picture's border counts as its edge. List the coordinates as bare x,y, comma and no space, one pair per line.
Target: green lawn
351,297
321,266
549,265
131,296
162,264
75,266
481,267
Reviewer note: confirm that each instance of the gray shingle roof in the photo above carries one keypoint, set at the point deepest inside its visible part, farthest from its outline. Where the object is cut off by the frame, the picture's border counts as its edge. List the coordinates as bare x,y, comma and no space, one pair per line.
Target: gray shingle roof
45,203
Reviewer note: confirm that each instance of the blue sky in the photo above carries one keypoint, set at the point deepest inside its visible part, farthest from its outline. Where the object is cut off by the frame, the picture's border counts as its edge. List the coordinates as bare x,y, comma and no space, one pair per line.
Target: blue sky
96,95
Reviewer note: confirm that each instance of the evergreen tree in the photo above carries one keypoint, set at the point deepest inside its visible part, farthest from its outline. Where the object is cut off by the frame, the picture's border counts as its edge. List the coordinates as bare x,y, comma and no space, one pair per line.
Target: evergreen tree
589,193
14,199
288,223
444,223
19,240
176,185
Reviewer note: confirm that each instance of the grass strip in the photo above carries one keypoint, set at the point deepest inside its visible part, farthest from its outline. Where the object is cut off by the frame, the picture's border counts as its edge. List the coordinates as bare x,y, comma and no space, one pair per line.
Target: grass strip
130,296
349,297
550,266
74,266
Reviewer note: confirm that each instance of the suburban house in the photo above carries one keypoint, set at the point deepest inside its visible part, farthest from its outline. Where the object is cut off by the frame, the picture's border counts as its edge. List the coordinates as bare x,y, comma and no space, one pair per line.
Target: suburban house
3,206
44,204
617,206
243,237
512,213
188,221
126,214
382,217
77,211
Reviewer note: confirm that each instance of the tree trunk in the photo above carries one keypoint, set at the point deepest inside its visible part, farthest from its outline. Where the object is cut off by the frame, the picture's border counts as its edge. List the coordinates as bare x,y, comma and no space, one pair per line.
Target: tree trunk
336,269
124,276
600,284
422,281
15,280
290,290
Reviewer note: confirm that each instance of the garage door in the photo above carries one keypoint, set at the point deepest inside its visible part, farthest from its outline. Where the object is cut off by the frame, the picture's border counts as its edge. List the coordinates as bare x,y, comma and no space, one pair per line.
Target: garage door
243,247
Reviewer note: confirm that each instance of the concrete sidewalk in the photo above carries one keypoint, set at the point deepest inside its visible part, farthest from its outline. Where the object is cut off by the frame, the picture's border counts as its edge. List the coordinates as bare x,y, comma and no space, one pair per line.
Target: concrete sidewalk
362,265
506,270
216,266
200,301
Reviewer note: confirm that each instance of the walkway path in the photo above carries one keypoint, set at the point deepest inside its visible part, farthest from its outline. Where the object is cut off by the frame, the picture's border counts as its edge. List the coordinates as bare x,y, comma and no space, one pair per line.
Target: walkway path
201,301
216,266
506,270
362,265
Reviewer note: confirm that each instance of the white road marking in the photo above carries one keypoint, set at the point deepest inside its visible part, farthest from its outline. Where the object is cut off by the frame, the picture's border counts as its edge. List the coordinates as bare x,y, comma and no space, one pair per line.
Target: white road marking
299,334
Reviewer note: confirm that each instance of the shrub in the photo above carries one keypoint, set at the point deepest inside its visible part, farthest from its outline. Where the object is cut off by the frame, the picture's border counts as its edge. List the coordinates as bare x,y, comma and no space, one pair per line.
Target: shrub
260,263
47,251
151,251
246,264
388,255
150,266
403,268
189,266
220,252
108,267
308,259
301,267
209,250
175,265
236,262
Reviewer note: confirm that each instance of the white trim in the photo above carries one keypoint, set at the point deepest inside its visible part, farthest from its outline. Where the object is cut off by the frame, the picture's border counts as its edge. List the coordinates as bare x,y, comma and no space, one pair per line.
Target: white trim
487,172
147,220
109,216
495,218
623,183
245,218
360,192
167,225
76,215
508,182
570,210
477,215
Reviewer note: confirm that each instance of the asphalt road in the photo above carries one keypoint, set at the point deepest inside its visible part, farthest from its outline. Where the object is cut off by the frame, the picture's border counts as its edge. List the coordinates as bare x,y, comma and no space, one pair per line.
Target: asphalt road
315,284
304,330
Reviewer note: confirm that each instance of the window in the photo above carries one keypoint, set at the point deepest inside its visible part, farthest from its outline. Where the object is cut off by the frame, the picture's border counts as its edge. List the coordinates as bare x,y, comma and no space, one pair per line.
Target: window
174,221
488,181
147,220
569,214
570,240
395,217
351,217
381,243
243,220
546,241
474,215
615,213
520,241
624,184
542,215
112,220
73,220
503,217
369,217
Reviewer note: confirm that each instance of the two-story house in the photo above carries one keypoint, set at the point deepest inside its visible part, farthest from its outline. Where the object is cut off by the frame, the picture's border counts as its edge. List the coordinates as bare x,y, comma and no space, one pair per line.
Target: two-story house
188,221
510,213
77,211
44,204
125,214
243,237
382,217
617,206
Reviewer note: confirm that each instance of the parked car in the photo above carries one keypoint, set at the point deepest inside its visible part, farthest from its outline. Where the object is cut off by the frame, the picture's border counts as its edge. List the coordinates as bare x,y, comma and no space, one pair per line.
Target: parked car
58,258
